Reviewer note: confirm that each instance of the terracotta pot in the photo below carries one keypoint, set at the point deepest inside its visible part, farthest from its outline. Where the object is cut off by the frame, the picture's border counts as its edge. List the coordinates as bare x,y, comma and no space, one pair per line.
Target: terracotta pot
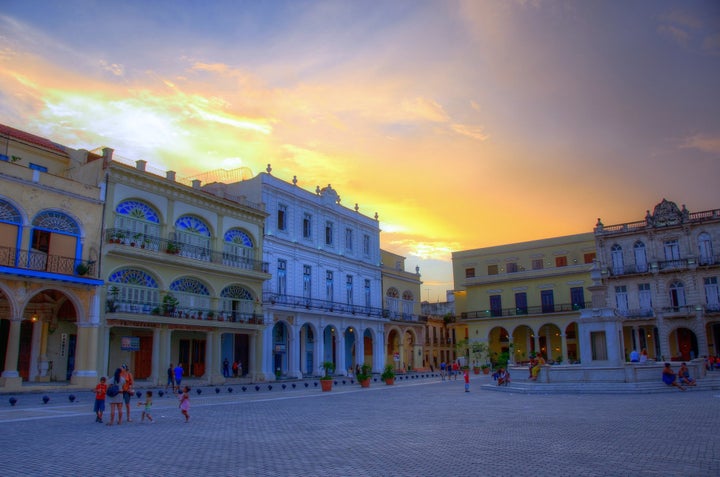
365,383
486,370
476,370
326,384
390,381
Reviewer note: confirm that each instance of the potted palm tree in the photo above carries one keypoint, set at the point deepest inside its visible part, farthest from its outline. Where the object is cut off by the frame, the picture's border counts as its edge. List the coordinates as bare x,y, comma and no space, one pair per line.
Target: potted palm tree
364,376
388,375
326,380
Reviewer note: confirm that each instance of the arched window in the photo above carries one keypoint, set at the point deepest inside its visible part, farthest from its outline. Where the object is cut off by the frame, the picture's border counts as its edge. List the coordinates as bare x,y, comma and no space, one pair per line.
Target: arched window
136,220
237,303
54,243
705,249
194,236
132,290
677,295
641,264
10,227
238,249
192,295
618,264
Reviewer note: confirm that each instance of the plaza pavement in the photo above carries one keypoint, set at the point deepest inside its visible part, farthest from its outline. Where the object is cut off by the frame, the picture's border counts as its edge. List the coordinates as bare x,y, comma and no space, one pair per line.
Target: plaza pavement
422,427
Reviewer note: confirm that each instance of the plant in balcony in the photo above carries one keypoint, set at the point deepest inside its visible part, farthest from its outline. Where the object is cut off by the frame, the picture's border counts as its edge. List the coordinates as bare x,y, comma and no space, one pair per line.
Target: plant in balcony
169,304
328,367
82,268
111,304
172,248
388,375
135,239
364,376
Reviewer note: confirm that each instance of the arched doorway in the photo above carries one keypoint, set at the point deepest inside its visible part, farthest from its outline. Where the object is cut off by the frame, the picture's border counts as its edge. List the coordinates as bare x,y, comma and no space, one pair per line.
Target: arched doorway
307,350
523,339
330,345
683,344
350,359
48,338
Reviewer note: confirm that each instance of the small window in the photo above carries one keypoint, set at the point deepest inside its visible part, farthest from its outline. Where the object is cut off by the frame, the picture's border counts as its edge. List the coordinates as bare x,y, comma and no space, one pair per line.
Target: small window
492,269
470,273
328,233
512,267
366,245
307,226
282,217
589,257
537,264
348,239
561,261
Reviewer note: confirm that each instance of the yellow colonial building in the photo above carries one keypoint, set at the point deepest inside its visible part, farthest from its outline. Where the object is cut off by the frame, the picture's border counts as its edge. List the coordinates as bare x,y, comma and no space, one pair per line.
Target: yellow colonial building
524,298
404,332
51,203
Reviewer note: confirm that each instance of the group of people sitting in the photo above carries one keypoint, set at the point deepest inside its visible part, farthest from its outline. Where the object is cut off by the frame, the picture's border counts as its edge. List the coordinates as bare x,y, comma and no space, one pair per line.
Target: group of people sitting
680,380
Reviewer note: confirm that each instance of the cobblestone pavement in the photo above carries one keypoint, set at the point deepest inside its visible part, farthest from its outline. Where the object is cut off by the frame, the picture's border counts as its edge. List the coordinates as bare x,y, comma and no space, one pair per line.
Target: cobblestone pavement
415,428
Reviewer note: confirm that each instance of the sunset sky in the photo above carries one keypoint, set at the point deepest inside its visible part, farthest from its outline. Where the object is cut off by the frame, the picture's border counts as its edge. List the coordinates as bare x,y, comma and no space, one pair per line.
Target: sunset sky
463,124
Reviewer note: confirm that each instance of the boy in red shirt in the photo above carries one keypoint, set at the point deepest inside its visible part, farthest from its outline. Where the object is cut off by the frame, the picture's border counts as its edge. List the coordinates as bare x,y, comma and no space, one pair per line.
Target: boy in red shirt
467,381
100,392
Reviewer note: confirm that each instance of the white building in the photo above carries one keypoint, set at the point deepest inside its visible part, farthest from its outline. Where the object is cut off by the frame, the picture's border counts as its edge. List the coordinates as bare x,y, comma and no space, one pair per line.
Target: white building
324,301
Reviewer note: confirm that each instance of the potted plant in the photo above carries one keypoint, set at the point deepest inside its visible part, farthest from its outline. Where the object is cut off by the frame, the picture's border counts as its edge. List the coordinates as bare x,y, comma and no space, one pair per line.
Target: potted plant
326,380
172,248
364,376
169,304
82,268
111,304
388,375
485,369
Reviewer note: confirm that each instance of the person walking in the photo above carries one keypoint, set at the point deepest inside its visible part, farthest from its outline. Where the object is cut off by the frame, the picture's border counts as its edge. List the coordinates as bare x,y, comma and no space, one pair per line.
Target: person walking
185,403
114,392
127,389
100,393
170,378
226,368
178,375
467,380
148,406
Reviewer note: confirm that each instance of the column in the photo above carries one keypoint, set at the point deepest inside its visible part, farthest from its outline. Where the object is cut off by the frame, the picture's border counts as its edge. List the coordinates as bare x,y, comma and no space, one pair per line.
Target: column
318,351
563,347
157,361
85,373
42,358
360,346
303,351
378,349
10,378
340,366
210,362
294,352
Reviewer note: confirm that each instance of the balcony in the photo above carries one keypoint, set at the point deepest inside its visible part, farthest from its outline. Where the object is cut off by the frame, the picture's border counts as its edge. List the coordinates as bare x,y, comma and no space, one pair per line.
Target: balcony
673,265
293,301
628,270
116,307
679,310
530,310
36,261
125,238
639,313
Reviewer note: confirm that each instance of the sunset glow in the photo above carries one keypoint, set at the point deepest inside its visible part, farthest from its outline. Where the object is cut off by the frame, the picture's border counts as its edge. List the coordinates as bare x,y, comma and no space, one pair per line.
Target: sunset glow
463,124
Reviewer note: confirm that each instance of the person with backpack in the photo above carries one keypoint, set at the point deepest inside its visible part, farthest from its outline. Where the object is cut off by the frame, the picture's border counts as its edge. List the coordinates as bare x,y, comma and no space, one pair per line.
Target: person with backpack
115,396
127,389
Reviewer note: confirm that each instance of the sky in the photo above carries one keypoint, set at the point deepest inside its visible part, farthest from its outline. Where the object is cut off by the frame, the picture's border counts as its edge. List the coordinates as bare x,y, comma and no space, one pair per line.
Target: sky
463,124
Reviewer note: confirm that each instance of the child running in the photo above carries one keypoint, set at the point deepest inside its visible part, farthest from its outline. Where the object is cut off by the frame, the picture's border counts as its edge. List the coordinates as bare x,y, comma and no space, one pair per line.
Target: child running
185,403
100,392
148,406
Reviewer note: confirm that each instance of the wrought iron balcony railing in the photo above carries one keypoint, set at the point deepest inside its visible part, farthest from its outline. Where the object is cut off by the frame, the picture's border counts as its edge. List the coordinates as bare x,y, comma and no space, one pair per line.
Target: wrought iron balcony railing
637,313
521,311
43,262
294,301
179,311
180,249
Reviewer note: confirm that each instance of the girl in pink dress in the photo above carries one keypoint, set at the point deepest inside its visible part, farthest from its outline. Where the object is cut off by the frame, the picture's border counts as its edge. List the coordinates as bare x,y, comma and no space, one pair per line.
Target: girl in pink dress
185,403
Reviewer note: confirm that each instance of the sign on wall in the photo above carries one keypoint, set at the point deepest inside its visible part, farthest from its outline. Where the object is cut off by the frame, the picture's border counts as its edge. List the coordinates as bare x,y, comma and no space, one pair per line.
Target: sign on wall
130,343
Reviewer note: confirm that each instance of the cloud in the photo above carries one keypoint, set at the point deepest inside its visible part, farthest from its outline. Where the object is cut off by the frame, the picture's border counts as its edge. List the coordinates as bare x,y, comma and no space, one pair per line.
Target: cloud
426,109
676,34
114,68
474,132
703,143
